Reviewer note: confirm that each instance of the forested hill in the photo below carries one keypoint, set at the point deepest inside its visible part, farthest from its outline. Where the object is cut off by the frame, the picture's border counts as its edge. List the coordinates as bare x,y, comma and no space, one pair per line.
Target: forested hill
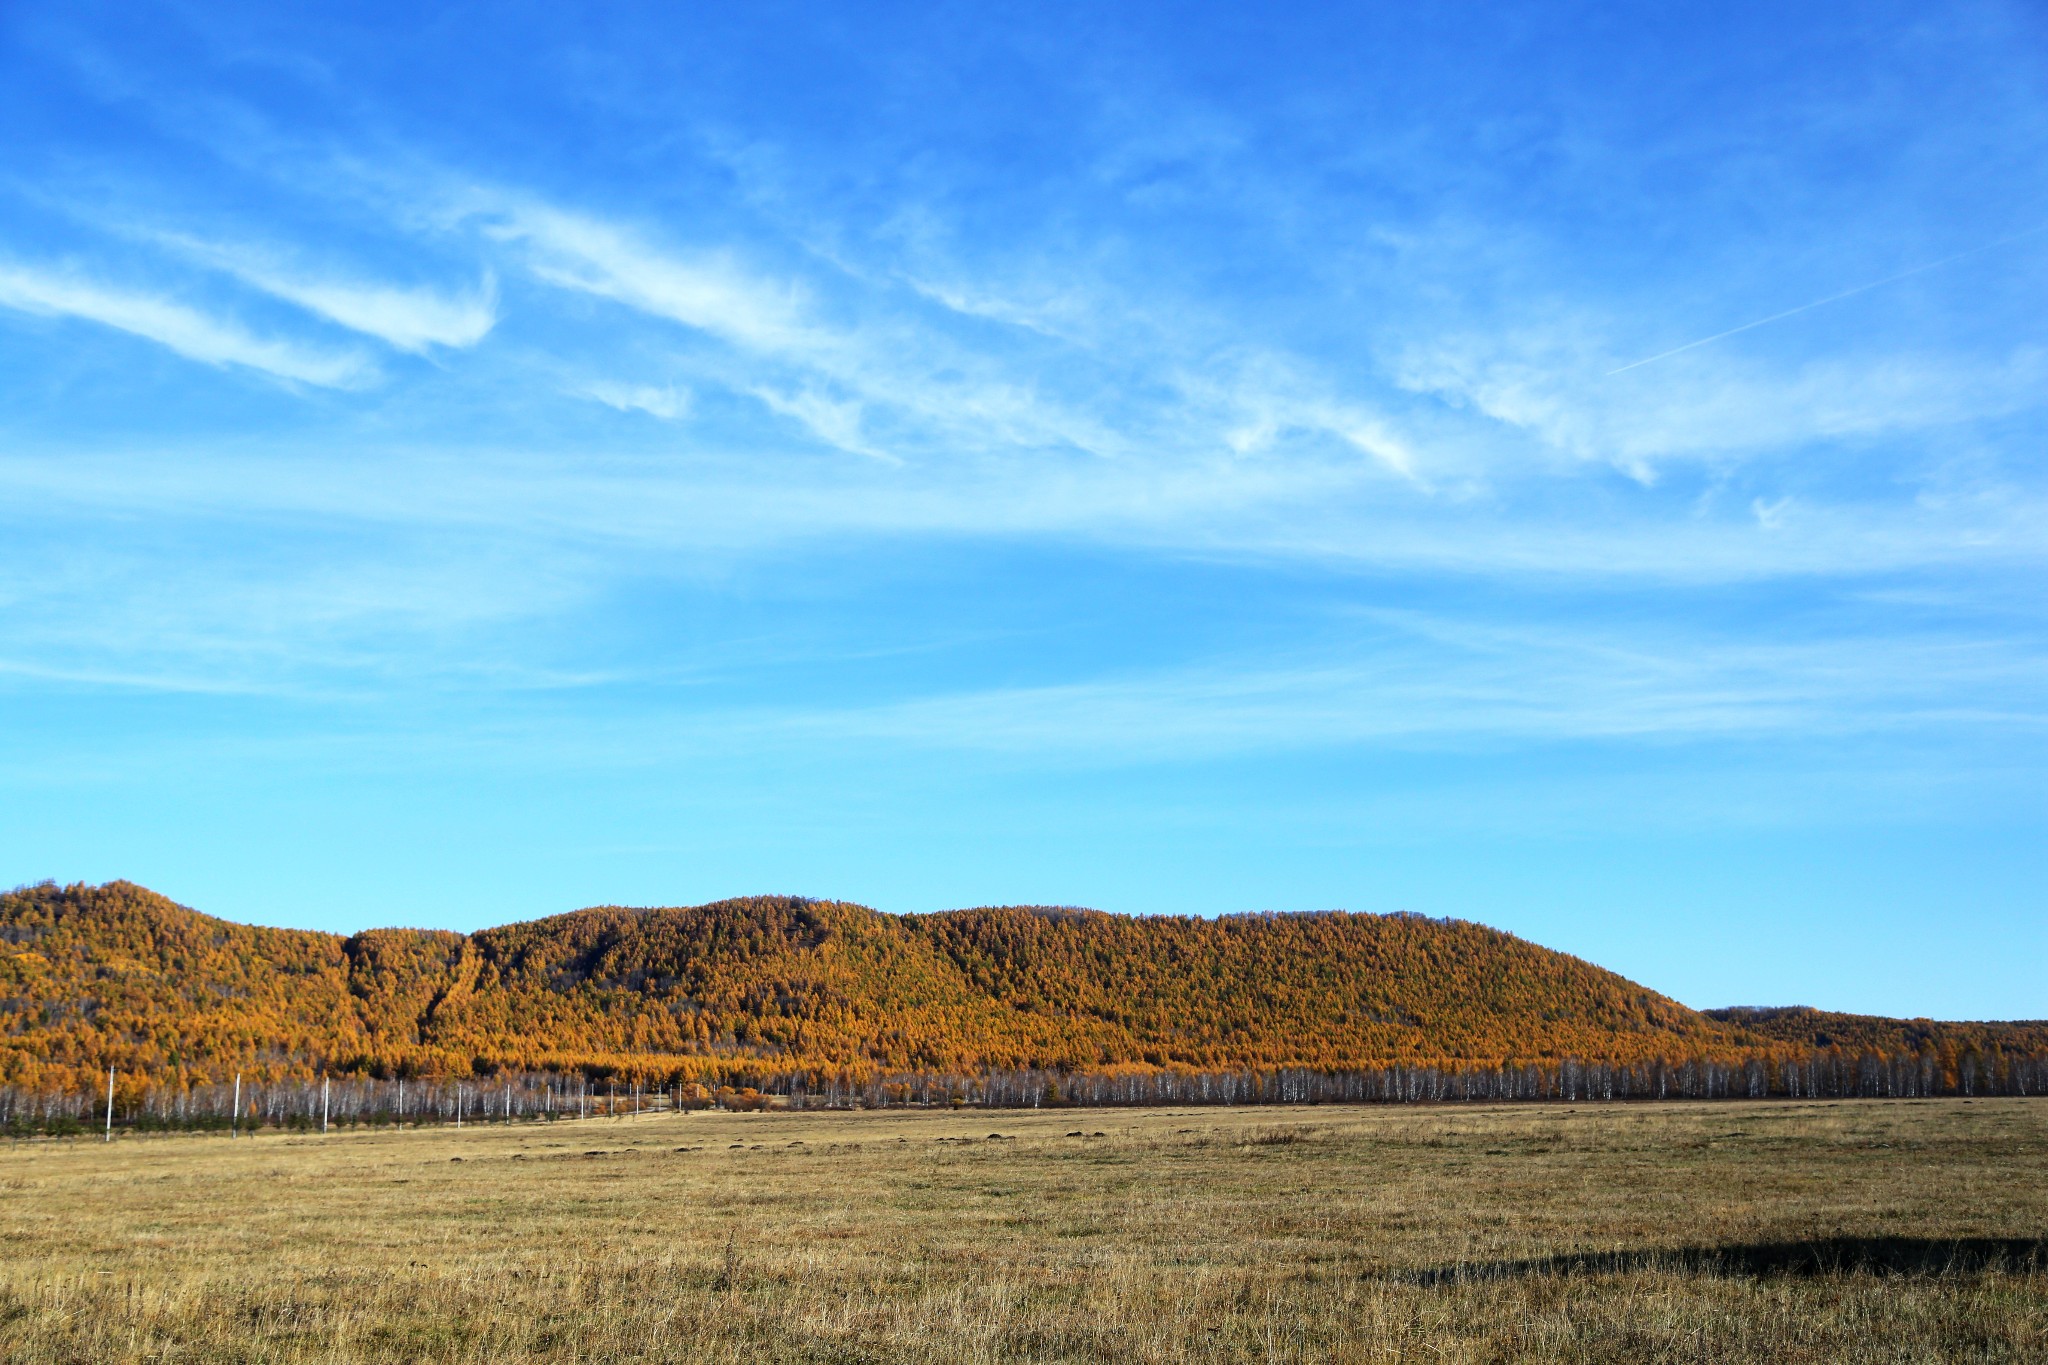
766,986
1805,1027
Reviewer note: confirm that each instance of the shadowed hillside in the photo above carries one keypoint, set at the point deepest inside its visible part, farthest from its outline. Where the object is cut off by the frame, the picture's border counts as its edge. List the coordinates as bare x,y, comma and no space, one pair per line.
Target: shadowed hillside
773,986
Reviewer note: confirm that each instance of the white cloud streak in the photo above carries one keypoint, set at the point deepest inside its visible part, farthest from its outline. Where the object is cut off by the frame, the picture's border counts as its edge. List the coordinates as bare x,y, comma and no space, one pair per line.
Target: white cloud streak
1822,302
413,320
1545,382
723,506
1453,681
711,294
666,401
408,609
930,390
410,318
189,332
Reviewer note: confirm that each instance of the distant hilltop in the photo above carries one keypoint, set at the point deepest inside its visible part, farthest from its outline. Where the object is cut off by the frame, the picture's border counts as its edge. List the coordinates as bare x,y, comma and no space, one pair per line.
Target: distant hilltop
784,992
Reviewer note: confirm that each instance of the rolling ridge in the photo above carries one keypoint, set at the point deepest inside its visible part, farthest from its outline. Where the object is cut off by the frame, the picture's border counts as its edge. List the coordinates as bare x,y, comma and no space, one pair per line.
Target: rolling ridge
762,987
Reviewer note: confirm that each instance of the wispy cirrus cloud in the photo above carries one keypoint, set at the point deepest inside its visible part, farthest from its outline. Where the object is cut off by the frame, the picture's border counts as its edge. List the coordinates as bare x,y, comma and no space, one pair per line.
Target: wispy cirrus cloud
844,380
664,401
709,292
1443,681
412,318
409,319
1332,514
186,330
1548,382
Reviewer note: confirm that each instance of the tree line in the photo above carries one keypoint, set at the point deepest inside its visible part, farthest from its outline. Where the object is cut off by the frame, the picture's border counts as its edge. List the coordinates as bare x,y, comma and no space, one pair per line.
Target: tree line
143,1104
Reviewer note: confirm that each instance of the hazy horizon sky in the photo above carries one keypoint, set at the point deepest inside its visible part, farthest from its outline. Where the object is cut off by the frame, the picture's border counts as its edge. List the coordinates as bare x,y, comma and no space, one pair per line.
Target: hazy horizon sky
1579,469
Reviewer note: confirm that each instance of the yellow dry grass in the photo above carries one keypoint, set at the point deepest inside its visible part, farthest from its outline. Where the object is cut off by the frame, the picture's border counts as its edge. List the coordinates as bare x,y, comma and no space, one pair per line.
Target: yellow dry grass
1619,1233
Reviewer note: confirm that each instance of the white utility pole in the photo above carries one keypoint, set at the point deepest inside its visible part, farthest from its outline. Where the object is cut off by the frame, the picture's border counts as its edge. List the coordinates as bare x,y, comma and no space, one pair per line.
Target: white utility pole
110,1104
235,1114
323,1103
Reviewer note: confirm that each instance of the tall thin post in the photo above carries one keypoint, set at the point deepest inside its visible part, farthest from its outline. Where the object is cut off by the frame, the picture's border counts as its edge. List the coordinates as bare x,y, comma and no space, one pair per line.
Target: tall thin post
401,1101
235,1114
110,1104
323,1102
458,1104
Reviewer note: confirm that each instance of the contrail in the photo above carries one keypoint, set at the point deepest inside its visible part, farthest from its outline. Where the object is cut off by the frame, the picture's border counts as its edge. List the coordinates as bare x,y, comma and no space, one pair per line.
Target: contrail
1832,298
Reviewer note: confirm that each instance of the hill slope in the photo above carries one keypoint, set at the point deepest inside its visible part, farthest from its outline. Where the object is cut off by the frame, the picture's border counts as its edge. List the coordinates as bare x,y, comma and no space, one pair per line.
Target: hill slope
773,985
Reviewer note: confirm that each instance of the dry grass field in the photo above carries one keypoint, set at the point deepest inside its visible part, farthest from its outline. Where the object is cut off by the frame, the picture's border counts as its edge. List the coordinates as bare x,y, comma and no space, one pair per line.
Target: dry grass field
1857,1231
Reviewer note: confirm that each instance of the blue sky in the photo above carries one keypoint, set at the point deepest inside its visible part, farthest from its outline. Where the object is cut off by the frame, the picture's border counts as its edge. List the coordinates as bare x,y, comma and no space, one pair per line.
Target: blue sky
1576,469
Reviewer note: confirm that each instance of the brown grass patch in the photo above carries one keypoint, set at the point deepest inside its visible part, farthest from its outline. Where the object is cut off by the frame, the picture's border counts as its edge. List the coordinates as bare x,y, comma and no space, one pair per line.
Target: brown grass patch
1796,1232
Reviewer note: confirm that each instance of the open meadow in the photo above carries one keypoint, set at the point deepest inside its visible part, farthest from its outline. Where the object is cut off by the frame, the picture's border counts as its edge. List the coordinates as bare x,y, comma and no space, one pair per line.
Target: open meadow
1858,1230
